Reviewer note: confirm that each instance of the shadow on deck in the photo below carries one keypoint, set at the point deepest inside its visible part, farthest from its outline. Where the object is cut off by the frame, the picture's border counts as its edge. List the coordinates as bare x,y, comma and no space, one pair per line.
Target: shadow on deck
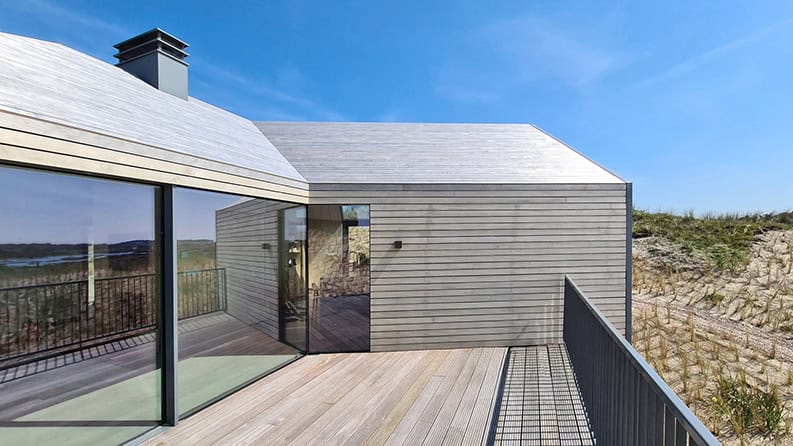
411,397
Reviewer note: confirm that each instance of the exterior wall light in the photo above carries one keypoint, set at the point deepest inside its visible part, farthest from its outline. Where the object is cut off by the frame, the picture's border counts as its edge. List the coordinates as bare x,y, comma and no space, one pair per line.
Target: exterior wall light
398,244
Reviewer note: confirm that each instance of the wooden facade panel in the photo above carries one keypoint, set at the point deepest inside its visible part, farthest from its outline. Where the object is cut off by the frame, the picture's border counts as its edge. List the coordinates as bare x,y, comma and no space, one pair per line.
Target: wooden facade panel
341,188
485,267
526,191
90,153
543,334
484,205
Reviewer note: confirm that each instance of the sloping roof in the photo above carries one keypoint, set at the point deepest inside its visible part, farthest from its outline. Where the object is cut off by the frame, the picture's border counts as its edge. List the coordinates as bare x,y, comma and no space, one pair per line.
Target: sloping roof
430,153
55,83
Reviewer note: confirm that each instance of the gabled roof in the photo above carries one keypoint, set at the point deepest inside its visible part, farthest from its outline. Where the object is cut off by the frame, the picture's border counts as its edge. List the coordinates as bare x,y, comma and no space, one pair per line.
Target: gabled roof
430,153
52,82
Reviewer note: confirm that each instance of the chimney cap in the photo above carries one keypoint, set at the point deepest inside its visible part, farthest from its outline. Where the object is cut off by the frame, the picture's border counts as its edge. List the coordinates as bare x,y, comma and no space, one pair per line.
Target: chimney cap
148,42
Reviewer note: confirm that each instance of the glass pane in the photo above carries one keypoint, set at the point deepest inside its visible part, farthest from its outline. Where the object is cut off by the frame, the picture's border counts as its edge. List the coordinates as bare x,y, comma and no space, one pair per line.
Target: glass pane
292,288
338,274
79,302
228,257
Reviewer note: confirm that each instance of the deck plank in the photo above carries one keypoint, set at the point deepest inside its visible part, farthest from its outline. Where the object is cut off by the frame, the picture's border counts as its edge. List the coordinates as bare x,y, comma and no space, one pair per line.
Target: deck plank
484,407
375,430
347,412
313,424
443,421
462,414
450,388
352,398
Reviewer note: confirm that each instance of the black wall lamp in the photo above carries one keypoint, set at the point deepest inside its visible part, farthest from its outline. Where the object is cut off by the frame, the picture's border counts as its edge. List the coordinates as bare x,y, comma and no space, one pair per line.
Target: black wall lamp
266,246
398,244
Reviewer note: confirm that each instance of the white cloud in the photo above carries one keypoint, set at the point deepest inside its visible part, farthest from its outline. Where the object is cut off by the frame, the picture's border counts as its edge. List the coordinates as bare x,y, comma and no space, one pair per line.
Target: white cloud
535,48
505,55
47,9
390,116
85,32
704,57
245,85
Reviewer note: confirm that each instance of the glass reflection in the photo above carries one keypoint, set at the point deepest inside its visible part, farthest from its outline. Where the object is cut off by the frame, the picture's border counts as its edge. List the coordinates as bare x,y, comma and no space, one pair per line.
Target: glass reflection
79,299
230,264
338,274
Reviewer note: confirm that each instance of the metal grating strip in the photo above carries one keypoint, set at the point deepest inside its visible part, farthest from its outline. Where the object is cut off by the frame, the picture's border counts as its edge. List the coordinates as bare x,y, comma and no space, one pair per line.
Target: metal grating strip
540,404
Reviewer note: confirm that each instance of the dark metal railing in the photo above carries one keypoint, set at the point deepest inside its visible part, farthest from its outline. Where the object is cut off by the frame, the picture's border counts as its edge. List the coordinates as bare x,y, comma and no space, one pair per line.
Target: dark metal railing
38,321
627,402
201,292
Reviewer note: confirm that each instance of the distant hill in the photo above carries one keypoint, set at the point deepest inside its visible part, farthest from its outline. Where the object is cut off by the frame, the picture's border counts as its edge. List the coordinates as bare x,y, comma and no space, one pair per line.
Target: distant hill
36,250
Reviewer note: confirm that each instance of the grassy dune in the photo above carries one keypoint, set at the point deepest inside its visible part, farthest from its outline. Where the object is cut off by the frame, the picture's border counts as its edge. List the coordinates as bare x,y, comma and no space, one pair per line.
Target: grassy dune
713,313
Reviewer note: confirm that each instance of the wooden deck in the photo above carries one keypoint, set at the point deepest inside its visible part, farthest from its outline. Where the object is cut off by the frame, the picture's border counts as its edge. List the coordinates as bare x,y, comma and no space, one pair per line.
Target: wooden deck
416,397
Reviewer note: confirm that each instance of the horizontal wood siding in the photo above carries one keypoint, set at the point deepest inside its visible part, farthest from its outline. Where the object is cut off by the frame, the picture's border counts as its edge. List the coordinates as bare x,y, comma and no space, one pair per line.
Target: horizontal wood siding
251,272
30,142
482,265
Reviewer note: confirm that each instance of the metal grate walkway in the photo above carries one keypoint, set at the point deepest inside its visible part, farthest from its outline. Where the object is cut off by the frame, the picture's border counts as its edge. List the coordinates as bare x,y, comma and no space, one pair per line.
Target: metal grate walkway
540,404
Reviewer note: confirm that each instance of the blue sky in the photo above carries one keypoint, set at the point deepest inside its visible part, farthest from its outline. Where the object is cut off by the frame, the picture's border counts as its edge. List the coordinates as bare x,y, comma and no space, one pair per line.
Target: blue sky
693,102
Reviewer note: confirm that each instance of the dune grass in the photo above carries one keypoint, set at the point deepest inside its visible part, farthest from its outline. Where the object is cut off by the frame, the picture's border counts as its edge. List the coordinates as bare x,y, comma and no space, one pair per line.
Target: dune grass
724,240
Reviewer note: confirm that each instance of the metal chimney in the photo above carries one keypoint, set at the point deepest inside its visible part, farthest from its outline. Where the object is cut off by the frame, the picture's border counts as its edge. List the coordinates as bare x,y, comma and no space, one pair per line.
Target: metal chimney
157,58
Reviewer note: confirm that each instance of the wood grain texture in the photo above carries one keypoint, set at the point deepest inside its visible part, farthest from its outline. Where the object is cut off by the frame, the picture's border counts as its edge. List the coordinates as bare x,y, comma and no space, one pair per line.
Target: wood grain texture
59,84
357,398
484,266
430,153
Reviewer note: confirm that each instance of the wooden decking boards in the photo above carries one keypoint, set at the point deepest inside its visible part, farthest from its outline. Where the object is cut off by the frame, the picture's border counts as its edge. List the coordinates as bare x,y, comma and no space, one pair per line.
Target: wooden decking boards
429,397
433,397
416,397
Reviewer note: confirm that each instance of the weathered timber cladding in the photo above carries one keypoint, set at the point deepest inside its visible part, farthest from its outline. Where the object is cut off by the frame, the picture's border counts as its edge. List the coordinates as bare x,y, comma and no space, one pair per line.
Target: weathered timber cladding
482,265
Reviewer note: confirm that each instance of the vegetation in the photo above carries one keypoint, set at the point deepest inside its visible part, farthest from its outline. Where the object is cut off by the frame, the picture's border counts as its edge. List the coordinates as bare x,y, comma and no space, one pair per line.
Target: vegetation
195,255
723,239
739,391
748,409
713,313
714,299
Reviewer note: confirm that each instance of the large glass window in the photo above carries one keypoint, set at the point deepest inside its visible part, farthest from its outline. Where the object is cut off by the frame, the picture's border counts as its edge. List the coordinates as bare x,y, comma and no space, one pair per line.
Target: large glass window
338,274
79,309
241,293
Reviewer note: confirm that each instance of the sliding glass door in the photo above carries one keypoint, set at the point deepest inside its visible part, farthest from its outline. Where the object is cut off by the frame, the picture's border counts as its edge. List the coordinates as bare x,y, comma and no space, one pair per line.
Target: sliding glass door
79,309
83,359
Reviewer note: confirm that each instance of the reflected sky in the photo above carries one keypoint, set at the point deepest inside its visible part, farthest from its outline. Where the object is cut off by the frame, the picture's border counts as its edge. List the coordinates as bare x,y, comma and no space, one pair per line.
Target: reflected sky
39,207
194,212
45,207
